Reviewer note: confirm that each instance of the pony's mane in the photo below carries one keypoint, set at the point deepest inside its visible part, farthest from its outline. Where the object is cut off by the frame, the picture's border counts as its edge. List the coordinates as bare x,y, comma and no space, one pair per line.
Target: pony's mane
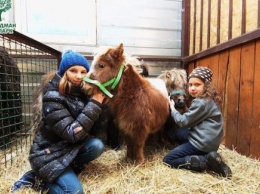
132,60
178,76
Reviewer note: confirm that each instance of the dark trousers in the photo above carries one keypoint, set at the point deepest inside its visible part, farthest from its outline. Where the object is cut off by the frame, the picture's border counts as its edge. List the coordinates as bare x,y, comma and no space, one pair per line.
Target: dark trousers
180,155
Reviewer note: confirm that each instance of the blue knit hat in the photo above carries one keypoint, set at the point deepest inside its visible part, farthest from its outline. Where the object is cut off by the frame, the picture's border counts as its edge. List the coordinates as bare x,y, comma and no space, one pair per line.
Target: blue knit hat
70,58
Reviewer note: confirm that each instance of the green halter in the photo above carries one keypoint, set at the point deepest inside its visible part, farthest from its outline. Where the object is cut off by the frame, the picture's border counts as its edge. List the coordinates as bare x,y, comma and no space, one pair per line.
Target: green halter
177,93
114,81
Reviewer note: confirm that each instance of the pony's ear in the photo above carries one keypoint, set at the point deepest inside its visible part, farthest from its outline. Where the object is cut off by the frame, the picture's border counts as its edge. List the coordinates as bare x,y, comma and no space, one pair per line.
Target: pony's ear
119,50
168,75
121,47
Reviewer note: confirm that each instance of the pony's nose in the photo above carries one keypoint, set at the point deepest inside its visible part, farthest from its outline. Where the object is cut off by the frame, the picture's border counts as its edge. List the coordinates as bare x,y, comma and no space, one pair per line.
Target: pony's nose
89,75
180,103
180,100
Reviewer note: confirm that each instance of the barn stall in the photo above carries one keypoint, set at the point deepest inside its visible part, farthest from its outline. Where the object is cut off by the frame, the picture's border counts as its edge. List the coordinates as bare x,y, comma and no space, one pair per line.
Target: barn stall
230,50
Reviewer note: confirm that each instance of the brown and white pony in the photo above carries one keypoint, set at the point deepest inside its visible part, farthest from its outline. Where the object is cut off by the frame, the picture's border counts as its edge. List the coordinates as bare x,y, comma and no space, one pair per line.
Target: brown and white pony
138,107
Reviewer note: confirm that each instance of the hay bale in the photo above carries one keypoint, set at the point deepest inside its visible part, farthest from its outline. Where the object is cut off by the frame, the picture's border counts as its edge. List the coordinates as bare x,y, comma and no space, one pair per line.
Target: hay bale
110,173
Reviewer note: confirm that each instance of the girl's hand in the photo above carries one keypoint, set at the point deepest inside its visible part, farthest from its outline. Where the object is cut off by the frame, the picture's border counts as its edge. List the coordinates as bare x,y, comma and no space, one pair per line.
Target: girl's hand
172,104
100,97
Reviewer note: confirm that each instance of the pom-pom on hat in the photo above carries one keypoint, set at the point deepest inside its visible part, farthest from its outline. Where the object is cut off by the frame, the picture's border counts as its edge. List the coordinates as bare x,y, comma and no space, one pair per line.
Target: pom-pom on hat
70,58
203,73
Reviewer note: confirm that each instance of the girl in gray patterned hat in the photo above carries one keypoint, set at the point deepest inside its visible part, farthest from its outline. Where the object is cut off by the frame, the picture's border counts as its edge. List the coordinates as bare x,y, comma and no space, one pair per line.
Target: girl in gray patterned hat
201,128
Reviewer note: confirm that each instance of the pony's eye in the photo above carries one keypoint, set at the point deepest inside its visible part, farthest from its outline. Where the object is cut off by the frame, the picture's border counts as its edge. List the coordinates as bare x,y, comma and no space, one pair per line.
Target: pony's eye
101,65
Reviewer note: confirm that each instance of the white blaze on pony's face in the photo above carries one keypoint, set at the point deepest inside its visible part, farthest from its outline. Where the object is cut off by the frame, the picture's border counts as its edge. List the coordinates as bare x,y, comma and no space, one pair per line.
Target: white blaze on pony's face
104,67
99,52
106,63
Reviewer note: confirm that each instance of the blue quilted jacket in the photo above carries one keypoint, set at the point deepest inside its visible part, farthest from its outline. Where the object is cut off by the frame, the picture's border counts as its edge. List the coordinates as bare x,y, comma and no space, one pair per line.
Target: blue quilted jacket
56,145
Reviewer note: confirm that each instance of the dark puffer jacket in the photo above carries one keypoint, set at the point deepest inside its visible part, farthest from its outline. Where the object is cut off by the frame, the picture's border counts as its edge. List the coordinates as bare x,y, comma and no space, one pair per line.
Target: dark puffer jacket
56,145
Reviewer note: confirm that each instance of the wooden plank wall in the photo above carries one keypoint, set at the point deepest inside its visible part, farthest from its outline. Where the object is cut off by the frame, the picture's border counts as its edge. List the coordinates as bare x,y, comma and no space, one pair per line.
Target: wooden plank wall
237,76
216,21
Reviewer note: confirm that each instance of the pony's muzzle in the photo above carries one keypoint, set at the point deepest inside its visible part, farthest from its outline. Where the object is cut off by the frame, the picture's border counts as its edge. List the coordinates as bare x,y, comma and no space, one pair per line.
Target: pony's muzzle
180,104
87,88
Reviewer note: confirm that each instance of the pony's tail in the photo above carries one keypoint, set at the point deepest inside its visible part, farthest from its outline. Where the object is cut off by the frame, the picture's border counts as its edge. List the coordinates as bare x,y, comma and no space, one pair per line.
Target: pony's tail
36,124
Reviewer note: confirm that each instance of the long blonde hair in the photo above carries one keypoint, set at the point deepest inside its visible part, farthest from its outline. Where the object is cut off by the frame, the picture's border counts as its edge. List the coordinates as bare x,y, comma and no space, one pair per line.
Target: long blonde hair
64,85
37,123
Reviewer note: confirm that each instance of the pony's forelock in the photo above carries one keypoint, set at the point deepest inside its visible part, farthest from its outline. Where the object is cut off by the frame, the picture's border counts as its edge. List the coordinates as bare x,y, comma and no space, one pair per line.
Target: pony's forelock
128,59
98,53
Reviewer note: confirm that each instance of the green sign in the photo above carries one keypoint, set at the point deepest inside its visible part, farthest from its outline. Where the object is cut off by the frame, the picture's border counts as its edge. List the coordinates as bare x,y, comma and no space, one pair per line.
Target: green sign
5,5
6,28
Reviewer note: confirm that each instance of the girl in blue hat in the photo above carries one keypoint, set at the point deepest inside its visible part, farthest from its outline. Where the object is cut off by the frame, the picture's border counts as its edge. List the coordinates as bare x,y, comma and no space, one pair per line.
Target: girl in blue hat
62,144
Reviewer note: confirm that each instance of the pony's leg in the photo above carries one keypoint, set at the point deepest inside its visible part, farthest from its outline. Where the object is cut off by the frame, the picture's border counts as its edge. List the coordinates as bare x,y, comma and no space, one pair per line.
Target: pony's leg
112,135
130,146
138,149
139,152
160,136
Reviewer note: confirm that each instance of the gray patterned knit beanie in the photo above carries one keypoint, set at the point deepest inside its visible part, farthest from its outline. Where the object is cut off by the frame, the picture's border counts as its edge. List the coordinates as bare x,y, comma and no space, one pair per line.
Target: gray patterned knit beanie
203,73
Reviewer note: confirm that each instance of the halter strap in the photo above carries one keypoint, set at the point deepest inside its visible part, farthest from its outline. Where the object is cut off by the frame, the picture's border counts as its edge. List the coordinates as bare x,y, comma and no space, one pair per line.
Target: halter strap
97,83
177,92
114,81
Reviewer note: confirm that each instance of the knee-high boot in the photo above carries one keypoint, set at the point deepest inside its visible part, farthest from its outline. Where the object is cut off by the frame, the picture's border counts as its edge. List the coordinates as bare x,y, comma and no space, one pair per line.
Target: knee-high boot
216,164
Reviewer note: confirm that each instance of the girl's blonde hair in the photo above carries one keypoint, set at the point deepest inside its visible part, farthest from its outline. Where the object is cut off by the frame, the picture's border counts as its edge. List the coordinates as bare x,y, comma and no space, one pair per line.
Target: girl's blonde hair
64,85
